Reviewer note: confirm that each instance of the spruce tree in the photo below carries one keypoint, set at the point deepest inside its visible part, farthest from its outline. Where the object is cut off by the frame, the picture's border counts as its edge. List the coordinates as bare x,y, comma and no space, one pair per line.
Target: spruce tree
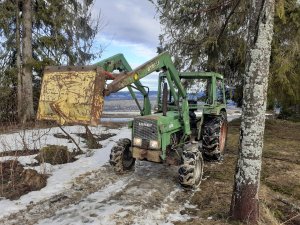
211,35
63,32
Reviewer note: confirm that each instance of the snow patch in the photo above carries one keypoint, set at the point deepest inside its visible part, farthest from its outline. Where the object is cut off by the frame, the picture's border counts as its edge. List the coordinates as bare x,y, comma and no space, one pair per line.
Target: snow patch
61,175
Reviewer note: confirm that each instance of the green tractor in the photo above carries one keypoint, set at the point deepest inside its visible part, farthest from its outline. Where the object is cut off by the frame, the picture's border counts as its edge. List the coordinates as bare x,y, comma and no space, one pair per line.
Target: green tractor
189,122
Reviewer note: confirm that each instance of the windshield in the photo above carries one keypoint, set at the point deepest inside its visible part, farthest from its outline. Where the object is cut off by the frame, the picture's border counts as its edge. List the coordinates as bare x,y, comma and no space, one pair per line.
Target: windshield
197,90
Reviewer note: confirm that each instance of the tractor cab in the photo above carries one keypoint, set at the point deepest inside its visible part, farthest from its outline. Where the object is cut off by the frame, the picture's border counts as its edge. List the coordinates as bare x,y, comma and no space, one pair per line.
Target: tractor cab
205,93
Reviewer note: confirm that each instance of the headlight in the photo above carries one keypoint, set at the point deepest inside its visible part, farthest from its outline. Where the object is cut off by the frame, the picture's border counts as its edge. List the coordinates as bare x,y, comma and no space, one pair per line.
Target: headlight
137,141
153,144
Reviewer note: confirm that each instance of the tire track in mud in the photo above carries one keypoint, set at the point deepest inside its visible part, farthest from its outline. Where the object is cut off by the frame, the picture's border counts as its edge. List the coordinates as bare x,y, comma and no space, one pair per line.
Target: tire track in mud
150,195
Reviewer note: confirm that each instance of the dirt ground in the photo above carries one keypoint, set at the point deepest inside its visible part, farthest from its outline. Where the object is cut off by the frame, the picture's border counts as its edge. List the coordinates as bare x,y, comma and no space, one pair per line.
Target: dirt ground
280,178
10,127
15,180
141,190
18,153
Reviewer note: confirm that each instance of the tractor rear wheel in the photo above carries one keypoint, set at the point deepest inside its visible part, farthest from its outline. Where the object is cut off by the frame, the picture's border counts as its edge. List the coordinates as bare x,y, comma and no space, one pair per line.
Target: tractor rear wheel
214,136
191,170
121,157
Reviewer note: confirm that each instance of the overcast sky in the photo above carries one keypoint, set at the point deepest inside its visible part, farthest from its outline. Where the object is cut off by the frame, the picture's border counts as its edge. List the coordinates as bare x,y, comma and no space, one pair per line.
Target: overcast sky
130,20
132,28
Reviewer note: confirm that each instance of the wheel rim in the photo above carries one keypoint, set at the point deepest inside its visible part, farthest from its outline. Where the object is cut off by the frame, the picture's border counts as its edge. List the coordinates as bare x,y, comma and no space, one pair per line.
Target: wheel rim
222,138
127,158
198,172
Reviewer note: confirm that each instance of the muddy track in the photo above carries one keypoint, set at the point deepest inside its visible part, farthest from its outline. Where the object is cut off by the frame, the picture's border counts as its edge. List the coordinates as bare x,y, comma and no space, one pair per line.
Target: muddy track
149,195
81,187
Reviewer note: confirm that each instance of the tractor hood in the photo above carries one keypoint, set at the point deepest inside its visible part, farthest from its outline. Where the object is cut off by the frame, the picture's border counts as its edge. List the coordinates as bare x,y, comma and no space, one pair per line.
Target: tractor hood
165,124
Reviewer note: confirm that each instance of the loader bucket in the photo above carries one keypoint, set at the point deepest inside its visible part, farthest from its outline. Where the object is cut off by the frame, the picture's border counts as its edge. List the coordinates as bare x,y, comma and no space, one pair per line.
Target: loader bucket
72,95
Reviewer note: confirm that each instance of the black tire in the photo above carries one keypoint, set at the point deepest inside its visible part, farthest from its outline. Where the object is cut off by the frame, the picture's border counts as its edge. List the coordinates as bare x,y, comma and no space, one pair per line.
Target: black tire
191,170
214,137
121,157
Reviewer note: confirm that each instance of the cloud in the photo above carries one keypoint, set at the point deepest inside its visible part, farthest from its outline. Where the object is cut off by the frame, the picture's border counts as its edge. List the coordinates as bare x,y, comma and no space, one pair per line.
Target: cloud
132,29
137,53
129,21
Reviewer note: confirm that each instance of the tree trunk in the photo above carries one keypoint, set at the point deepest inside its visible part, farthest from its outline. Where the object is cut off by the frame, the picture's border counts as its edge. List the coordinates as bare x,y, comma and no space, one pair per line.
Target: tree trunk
27,112
212,49
18,61
212,58
244,204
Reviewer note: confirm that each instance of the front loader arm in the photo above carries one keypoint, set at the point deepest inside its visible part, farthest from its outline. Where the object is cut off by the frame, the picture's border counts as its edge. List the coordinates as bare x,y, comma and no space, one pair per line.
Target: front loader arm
162,62
118,62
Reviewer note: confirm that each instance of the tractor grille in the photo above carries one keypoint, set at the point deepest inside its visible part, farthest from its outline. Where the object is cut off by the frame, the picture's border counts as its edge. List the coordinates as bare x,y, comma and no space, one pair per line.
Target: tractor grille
145,144
146,130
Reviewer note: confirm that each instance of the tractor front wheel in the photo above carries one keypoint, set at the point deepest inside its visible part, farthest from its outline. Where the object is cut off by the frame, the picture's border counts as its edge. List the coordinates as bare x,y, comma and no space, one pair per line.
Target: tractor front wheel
121,157
191,170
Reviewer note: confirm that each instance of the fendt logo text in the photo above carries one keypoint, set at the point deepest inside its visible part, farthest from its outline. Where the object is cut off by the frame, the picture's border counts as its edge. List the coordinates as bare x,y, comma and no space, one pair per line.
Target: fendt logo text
145,124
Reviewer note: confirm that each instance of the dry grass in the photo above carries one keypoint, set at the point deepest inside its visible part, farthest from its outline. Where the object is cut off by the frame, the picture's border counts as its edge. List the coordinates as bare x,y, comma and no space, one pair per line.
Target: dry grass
55,154
280,186
10,127
15,181
280,179
113,125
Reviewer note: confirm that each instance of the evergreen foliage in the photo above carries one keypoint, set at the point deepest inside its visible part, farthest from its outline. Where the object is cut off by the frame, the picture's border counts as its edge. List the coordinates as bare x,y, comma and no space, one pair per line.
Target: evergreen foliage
205,34
285,67
63,33
212,35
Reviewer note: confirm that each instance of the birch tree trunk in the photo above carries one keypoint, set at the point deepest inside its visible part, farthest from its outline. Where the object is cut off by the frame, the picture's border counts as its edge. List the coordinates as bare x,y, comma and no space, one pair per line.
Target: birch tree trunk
27,112
244,204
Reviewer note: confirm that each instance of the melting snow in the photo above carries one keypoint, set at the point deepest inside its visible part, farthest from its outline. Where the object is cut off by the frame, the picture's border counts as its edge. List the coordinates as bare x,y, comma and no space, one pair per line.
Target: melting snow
103,206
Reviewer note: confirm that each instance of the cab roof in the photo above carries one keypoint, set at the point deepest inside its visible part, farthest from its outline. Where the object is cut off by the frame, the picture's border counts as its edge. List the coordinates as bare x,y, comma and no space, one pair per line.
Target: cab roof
205,75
